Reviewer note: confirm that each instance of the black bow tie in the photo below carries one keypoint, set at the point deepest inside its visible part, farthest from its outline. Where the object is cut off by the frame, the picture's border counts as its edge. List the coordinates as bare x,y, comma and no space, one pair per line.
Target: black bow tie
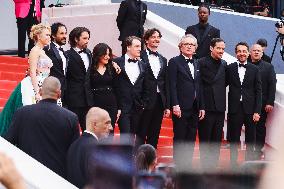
82,51
189,61
243,65
61,49
132,60
152,52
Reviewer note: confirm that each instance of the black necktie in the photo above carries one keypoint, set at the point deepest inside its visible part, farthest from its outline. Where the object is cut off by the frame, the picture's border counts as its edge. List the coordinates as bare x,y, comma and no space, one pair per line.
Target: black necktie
132,60
82,51
189,61
152,52
243,65
61,49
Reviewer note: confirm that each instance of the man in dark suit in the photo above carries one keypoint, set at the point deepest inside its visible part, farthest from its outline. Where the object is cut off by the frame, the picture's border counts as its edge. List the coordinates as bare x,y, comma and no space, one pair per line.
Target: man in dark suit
132,92
79,169
150,125
186,99
58,56
244,98
45,130
203,32
78,97
212,71
268,83
130,20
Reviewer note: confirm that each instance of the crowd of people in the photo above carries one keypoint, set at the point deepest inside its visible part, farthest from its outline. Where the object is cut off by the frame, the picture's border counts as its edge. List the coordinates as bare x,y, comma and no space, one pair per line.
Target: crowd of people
94,90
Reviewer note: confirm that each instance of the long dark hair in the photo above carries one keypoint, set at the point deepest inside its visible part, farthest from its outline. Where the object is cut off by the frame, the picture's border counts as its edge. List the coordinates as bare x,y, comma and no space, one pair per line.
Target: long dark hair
145,156
99,51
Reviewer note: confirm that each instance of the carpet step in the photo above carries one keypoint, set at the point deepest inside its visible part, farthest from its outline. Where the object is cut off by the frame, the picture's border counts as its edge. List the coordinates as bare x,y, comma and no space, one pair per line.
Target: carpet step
2,102
5,93
8,85
12,76
6,67
13,60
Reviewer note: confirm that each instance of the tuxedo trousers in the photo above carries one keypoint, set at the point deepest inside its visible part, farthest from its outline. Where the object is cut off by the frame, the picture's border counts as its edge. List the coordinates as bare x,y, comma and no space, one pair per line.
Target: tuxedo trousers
210,136
150,124
24,26
235,123
185,129
260,133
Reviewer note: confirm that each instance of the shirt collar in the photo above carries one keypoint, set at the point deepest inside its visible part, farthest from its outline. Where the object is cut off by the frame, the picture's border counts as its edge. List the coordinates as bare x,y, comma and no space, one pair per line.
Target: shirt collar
244,63
56,45
93,134
77,49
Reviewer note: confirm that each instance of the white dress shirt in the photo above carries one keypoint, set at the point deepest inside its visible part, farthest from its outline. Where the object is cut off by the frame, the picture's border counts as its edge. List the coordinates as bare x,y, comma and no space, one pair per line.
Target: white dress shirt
242,72
191,67
132,69
63,58
84,57
155,65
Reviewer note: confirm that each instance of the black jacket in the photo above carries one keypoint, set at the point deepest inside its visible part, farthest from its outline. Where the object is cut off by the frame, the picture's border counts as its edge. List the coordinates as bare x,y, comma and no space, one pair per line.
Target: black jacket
45,131
183,88
130,95
130,18
250,89
210,32
214,85
78,92
162,81
78,156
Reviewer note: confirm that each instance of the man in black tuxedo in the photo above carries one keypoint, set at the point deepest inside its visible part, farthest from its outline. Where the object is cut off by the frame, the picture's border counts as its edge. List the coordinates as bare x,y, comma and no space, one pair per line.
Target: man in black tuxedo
150,125
244,98
186,99
268,83
79,167
132,92
130,20
78,93
45,130
58,56
212,71
203,32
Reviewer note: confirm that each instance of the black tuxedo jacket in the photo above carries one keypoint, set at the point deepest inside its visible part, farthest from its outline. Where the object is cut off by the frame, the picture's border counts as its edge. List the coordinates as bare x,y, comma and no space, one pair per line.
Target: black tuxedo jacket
57,69
129,95
78,88
162,81
183,88
214,86
45,131
78,156
210,32
130,19
250,89
268,82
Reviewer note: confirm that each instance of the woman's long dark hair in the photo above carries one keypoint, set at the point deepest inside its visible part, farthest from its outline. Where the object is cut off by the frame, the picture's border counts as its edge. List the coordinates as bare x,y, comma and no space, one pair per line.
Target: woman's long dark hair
99,51
145,156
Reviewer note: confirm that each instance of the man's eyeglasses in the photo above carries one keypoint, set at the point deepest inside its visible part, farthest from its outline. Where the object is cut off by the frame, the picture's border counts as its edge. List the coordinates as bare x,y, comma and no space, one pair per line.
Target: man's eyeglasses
189,44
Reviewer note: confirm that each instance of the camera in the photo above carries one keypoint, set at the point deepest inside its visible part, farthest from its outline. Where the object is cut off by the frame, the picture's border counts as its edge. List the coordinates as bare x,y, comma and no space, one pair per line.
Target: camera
280,23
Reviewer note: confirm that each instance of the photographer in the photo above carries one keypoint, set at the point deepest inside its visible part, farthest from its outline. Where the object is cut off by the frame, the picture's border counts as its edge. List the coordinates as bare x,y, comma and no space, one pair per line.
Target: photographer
280,30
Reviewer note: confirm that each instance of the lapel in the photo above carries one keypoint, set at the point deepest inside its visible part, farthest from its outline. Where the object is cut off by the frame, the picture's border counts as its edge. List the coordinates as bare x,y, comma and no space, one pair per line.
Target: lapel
247,73
78,59
220,70
140,65
161,64
56,52
196,30
236,73
185,65
205,33
122,66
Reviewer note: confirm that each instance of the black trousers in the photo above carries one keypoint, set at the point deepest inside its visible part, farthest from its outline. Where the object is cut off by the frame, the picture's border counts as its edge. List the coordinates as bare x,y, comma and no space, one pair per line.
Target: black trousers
210,136
235,123
24,27
150,124
260,133
129,121
81,112
185,129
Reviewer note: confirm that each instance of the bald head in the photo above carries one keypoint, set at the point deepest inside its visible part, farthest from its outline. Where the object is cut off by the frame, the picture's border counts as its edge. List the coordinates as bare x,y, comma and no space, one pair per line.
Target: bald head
98,122
256,53
50,88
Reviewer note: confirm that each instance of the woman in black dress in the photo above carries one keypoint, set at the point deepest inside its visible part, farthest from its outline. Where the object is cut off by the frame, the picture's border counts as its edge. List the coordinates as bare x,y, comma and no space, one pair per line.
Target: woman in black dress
102,81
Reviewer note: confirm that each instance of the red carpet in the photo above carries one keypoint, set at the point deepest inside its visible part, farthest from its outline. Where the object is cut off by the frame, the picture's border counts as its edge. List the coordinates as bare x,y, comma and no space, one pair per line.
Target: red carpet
12,71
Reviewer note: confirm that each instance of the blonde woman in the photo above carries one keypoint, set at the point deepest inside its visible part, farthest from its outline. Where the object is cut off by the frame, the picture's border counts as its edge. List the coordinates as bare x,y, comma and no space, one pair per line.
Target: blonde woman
27,92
